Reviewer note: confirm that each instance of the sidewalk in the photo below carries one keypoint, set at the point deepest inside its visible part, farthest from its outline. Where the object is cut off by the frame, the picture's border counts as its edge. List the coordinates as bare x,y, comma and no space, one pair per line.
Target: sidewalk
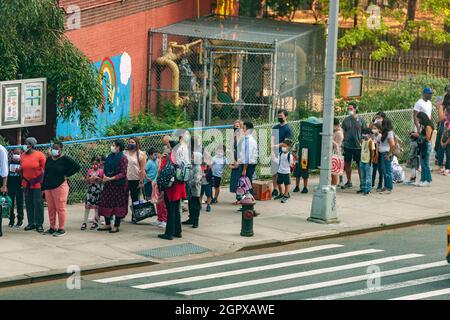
26,256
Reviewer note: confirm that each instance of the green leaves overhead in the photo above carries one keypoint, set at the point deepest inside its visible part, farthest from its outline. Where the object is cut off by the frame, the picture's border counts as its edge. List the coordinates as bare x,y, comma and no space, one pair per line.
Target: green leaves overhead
32,43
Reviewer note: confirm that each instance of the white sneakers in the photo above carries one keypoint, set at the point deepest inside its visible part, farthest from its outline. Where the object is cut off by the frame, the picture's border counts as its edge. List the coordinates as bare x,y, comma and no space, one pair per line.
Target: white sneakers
158,223
424,184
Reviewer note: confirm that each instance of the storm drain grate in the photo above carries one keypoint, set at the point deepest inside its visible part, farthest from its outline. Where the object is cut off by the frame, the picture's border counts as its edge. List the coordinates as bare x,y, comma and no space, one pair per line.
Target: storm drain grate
173,251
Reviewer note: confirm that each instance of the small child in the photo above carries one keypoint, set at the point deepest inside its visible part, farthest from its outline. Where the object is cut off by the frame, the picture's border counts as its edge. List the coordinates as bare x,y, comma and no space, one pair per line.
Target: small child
299,172
376,165
285,162
195,186
94,178
157,199
151,172
367,158
15,190
413,161
206,185
219,161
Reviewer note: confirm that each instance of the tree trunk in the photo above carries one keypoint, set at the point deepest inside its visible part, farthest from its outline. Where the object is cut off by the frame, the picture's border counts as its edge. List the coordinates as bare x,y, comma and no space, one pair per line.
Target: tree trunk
447,45
355,17
411,15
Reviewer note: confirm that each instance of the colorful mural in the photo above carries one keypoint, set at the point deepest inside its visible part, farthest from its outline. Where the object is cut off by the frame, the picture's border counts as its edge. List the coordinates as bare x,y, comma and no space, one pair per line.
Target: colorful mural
113,69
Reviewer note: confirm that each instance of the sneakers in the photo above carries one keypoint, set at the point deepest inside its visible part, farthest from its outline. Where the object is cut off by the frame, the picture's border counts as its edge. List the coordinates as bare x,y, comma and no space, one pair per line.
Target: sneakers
158,223
19,224
29,228
424,184
275,193
348,185
284,200
278,197
162,224
11,224
187,222
208,208
59,233
297,189
50,231
305,190
214,200
40,229
386,191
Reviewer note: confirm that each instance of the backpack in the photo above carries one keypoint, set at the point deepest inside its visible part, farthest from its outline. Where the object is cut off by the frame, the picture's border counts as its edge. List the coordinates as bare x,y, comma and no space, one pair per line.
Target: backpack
244,186
166,177
183,172
289,161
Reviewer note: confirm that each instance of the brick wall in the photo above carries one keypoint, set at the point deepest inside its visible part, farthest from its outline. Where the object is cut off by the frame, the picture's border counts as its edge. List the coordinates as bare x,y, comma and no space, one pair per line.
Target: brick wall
118,31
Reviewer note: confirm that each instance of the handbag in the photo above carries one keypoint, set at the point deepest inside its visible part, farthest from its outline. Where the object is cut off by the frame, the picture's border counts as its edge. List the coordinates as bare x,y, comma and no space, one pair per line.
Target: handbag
337,165
6,204
142,210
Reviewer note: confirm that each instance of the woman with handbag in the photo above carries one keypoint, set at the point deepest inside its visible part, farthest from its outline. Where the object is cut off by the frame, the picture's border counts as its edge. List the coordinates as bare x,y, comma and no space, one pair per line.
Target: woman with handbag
114,197
137,160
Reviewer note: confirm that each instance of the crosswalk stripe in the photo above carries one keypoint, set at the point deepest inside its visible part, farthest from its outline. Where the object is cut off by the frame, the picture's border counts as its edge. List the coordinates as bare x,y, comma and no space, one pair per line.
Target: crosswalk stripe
393,286
299,275
424,295
218,263
336,282
256,269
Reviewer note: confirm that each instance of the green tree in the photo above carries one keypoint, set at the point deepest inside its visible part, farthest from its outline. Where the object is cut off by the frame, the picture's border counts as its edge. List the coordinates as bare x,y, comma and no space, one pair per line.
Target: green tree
33,44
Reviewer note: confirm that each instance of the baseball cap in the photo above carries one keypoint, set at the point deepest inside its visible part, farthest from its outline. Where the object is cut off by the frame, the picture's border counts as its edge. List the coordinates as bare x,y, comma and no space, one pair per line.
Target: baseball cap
427,90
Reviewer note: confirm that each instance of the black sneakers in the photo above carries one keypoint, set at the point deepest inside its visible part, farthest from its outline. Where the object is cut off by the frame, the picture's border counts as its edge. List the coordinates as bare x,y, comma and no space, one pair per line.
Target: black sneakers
29,228
275,193
50,231
278,197
297,189
305,190
59,233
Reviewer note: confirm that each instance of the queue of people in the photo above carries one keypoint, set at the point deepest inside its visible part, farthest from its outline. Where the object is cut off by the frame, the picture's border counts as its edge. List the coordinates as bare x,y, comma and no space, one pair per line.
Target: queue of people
195,176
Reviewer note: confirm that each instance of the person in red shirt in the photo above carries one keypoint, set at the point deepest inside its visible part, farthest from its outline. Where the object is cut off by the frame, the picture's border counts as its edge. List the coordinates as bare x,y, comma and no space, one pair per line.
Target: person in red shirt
173,197
32,164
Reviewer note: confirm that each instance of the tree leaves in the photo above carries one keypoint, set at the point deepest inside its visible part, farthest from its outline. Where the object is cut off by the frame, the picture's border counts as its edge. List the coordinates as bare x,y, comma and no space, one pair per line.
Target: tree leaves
32,43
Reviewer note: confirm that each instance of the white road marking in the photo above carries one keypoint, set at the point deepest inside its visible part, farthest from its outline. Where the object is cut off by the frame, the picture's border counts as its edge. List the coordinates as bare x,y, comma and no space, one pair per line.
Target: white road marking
393,286
299,275
336,282
255,269
424,295
218,263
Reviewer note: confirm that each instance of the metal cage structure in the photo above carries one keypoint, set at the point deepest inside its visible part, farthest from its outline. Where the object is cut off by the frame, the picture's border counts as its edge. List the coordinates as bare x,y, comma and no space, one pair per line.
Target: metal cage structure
224,68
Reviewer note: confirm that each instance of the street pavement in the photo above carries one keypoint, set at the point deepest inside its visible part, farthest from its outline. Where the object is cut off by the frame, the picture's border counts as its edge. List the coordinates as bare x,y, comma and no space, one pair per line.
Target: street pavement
406,264
27,256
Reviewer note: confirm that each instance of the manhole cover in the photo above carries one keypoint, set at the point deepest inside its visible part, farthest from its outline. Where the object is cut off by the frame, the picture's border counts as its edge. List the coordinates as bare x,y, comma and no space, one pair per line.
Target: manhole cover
173,251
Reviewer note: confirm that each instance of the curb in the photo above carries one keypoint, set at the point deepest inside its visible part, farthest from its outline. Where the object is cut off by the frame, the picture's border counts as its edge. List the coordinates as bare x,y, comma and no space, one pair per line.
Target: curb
119,265
58,274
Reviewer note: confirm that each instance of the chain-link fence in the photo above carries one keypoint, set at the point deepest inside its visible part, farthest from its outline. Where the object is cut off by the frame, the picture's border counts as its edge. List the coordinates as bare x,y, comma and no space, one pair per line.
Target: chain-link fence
83,151
219,69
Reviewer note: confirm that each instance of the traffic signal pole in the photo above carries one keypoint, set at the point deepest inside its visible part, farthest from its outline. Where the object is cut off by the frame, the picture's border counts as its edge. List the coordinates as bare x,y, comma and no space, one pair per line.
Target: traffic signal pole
323,209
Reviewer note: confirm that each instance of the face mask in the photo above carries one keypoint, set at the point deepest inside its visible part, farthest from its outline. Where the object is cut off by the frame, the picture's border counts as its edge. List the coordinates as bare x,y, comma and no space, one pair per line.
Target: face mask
55,153
16,157
113,149
131,146
235,129
374,131
155,156
25,148
351,113
379,121
280,120
284,149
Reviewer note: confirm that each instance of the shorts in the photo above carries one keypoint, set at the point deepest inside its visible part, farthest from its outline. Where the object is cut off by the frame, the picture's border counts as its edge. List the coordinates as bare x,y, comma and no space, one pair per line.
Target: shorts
299,172
284,178
206,190
216,181
352,155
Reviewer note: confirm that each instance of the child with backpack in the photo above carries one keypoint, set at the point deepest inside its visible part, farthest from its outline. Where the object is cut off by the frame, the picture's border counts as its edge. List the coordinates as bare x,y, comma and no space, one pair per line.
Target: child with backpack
206,188
285,162
95,180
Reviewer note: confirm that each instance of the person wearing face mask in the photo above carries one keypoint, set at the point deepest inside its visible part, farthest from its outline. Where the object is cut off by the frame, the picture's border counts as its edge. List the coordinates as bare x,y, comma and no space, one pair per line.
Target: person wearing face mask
285,161
151,171
423,105
58,168
15,190
32,163
376,166
280,132
352,126
137,159
114,197
219,161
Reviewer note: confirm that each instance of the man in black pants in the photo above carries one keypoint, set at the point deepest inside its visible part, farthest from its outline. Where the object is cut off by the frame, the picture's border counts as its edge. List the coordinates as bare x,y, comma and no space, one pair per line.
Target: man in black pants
15,190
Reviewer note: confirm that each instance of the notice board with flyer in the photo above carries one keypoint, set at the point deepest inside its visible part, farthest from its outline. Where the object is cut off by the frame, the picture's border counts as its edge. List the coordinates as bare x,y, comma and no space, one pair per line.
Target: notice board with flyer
23,103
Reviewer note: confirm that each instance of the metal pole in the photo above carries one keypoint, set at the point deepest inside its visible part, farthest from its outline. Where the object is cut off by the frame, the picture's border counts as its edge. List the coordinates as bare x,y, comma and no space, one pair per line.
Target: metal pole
205,74
323,209
211,84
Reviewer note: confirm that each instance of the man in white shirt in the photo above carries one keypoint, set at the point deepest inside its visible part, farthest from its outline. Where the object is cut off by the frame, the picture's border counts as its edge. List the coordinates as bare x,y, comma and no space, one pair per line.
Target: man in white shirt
248,152
423,105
